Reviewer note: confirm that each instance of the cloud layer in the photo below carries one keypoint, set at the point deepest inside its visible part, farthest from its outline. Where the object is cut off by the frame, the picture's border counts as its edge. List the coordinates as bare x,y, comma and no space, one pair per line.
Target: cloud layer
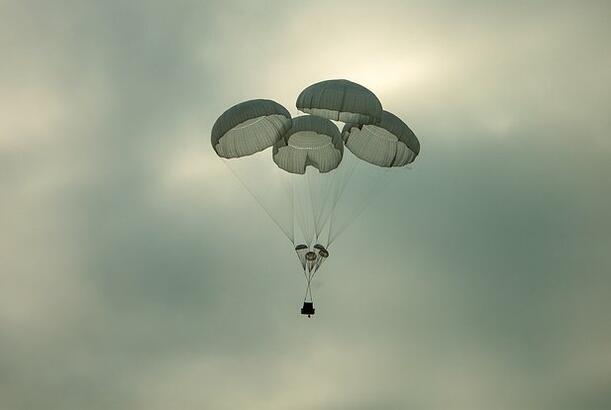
136,273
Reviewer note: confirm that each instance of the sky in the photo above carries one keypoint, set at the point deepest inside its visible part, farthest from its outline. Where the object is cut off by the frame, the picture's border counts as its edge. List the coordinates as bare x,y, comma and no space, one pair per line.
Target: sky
137,273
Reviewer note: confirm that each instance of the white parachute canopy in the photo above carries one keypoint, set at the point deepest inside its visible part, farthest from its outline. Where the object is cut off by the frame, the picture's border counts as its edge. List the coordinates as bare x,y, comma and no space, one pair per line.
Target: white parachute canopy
389,143
311,141
249,127
340,100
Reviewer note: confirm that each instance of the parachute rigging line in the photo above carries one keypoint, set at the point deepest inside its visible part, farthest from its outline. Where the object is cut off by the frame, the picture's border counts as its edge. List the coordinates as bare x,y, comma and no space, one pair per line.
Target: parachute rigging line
290,236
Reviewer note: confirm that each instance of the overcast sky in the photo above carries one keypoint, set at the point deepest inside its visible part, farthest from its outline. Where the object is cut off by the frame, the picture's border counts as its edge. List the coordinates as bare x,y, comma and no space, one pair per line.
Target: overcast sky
137,273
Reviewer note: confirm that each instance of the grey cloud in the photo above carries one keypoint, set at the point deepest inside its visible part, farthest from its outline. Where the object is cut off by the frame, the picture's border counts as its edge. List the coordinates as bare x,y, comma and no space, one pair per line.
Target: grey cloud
136,273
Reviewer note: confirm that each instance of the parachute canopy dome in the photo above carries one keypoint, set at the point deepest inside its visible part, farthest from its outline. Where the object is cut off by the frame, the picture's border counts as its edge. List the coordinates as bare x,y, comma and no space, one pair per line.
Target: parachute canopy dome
340,100
311,141
390,143
249,127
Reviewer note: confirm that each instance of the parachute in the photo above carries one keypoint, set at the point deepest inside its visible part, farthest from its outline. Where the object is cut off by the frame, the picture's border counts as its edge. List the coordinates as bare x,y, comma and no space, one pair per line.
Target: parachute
318,179
340,100
390,143
310,141
249,127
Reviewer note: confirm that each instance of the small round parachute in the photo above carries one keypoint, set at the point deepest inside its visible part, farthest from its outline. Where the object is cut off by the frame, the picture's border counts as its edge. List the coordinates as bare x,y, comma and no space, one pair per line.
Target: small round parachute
310,141
249,127
310,256
340,100
322,252
390,143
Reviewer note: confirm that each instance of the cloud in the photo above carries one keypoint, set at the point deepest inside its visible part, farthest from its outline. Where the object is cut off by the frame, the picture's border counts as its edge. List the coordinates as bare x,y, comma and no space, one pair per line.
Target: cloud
137,273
